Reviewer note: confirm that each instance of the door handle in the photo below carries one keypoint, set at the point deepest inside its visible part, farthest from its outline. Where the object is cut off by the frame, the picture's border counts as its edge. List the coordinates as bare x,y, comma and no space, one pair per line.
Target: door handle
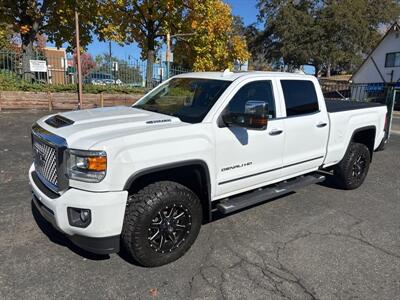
321,124
275,132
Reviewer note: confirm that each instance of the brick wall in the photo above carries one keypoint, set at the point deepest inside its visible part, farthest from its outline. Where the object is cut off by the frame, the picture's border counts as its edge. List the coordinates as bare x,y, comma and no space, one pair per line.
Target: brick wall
61,101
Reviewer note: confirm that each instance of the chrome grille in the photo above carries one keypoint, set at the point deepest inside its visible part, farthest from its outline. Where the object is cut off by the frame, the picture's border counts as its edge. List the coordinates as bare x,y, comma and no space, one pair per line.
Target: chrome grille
45,160
48,158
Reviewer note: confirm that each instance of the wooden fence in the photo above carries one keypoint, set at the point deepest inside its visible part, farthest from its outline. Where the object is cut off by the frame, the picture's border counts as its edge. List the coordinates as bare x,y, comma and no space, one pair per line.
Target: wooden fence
61,101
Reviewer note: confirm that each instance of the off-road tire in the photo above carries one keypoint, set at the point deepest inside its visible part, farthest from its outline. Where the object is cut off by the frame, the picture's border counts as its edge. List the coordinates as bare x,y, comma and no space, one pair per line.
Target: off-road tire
350,173
142,209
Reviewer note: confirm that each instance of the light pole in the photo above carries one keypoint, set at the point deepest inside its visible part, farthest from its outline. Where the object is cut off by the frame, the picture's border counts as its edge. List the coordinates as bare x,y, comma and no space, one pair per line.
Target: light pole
169,37
168,51
78,58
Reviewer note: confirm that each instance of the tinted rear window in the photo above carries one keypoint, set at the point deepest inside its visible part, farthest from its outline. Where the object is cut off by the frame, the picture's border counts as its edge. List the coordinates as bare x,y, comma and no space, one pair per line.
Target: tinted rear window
300,97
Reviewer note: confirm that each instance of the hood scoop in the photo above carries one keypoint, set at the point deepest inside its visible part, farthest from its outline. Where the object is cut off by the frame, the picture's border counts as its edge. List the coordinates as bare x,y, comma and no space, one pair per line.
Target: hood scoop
58,121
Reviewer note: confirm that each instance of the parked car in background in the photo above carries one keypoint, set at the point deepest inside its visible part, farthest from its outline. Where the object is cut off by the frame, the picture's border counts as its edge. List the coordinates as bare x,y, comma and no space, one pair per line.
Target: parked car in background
98,78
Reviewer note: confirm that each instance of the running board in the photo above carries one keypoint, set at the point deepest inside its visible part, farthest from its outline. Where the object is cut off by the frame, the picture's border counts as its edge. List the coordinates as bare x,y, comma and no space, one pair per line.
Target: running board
261,195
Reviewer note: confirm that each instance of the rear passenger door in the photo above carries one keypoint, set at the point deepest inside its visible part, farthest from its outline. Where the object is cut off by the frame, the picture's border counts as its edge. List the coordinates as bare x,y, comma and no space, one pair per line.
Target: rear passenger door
306,127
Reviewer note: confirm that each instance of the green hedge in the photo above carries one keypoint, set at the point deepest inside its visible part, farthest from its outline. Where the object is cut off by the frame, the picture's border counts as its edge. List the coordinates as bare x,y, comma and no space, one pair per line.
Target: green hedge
11,82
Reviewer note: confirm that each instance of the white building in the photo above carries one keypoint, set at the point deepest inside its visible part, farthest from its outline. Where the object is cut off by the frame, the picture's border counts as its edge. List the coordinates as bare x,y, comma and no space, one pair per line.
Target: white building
383,64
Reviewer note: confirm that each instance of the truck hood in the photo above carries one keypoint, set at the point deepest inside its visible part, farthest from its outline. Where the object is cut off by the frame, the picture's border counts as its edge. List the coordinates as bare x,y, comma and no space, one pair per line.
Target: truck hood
85,128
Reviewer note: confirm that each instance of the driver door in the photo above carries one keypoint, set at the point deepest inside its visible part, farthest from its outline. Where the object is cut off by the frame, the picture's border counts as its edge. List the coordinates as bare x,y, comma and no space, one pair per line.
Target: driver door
248,158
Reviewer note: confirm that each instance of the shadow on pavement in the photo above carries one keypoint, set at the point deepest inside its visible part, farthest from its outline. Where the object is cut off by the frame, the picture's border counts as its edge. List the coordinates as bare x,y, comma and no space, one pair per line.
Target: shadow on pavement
59,238
329,182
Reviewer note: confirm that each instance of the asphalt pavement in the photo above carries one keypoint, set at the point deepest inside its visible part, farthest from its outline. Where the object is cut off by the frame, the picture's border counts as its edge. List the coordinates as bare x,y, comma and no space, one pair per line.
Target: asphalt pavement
396,123
318,243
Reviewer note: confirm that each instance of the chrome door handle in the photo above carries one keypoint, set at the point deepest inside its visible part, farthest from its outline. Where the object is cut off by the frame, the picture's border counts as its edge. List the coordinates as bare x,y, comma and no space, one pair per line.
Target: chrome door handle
321,124
275,132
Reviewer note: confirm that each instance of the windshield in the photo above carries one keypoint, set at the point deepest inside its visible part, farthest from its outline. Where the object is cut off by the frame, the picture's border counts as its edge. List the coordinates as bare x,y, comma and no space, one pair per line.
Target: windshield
189,99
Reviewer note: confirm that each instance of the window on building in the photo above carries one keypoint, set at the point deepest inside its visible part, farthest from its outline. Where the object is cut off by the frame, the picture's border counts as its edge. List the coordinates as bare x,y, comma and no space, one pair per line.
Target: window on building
300,97
392,60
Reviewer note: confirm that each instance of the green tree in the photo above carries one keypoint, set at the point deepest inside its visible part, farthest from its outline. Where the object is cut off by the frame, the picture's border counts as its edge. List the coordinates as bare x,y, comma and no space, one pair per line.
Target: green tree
6,36
331,33
261,47
142,21
32,18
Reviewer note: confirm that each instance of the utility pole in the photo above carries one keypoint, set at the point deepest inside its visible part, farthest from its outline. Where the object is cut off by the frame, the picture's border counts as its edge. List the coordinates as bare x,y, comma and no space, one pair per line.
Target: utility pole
110,55
167,55
168,52
78,58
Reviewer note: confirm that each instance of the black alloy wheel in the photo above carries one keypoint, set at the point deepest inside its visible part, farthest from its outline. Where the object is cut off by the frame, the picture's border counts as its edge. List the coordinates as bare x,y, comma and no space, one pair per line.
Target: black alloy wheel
162,221
352,170
169,228
359,167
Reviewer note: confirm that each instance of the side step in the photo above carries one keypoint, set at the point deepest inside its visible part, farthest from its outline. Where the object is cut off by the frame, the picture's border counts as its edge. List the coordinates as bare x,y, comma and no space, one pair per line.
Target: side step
238,202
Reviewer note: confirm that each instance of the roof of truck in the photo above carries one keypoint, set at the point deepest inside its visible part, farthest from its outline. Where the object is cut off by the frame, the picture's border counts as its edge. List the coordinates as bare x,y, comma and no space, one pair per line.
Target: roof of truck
231,76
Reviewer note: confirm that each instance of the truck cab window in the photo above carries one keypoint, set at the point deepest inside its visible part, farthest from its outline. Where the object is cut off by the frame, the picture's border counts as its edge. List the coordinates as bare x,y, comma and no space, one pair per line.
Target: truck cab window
254,91
300,97
189,99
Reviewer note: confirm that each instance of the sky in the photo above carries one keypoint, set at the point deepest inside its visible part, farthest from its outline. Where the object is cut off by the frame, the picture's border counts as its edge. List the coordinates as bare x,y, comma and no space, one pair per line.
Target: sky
244,8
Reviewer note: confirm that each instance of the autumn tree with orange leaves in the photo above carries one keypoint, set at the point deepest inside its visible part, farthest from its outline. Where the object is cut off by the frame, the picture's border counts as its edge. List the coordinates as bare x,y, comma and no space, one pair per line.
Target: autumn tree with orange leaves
214,45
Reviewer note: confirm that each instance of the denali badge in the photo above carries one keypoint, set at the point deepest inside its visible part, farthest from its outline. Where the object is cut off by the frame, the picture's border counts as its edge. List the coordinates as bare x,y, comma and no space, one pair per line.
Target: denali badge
237,166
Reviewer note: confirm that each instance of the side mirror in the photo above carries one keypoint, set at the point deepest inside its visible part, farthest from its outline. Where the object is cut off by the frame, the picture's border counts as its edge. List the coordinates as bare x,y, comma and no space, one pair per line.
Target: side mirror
255,116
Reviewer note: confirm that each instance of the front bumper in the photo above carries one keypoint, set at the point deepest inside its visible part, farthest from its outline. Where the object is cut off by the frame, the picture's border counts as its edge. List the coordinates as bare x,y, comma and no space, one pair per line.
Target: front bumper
107,214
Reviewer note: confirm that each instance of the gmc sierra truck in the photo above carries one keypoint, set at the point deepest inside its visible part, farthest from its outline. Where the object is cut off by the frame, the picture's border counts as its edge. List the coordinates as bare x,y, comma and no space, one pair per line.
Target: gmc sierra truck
144,178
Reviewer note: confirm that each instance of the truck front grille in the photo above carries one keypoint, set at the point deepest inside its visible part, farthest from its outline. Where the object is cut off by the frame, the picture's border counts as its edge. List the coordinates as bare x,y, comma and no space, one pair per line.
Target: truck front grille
48,158
45,160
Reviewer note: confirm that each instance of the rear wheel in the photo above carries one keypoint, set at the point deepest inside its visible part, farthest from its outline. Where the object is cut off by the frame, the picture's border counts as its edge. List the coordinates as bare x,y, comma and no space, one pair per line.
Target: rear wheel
161,222
350,173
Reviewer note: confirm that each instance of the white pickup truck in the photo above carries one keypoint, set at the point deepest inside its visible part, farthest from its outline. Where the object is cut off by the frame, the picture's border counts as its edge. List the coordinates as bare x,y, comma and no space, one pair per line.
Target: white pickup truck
144,178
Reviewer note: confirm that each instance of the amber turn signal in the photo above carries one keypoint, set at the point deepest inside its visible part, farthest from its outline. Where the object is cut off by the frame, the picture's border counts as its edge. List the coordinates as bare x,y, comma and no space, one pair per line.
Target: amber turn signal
258,121
97,163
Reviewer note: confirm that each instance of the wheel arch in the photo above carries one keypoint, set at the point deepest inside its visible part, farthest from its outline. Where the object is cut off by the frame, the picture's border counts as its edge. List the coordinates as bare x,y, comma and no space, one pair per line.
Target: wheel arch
365,135
193,174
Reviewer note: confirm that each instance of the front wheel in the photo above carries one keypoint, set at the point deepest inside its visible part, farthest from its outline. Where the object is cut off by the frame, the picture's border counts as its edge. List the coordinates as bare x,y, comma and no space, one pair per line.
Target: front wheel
161,223
350,173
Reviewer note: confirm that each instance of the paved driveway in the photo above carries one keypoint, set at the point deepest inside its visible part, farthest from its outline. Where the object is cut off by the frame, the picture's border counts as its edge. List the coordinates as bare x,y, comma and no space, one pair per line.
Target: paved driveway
396,123
318,243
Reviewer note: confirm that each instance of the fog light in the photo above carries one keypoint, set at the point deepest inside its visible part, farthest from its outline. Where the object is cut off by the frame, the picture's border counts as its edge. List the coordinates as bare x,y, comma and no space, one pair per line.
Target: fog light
85,215
79,217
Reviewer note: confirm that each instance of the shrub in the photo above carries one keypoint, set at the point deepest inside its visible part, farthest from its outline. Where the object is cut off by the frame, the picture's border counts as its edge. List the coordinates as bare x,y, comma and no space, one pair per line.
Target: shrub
11,82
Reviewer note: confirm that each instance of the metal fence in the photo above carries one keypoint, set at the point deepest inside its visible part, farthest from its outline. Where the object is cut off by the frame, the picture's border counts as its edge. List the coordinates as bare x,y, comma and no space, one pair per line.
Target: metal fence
384,93
61,70
365,92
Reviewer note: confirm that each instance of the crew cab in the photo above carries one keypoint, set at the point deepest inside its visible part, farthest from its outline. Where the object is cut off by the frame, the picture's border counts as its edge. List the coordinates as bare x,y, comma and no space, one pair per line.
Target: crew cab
144,178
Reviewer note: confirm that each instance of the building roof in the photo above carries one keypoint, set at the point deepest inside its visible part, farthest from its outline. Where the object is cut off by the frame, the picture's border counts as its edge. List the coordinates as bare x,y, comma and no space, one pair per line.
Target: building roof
395,27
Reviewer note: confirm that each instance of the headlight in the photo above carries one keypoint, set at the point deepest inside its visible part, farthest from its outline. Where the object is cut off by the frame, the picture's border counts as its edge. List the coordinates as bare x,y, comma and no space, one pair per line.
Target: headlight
88,166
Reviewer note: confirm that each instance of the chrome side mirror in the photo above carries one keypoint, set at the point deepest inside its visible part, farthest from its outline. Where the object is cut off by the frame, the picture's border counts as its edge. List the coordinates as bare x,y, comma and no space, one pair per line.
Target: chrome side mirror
255,116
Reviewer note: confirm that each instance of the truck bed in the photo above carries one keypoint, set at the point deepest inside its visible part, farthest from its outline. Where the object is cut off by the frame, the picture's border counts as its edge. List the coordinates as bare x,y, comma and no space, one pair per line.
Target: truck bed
342,105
